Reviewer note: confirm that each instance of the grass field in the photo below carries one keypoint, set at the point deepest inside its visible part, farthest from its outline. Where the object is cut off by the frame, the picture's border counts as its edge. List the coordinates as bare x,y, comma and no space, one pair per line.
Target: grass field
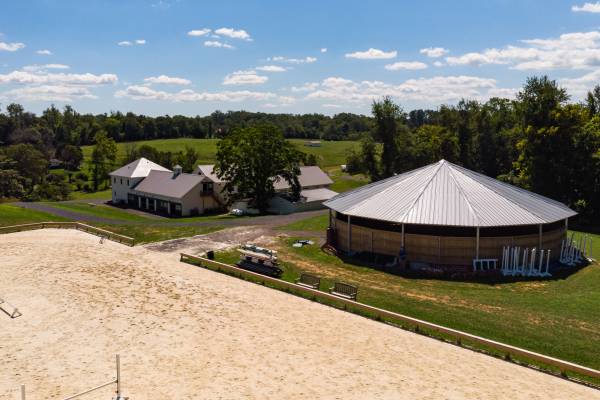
559,318
329,154
13,215
143,230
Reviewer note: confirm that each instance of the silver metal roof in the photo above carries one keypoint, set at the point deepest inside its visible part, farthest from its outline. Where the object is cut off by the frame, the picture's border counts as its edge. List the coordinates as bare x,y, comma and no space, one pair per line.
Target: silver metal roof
168,184
309,177
447,194
139,168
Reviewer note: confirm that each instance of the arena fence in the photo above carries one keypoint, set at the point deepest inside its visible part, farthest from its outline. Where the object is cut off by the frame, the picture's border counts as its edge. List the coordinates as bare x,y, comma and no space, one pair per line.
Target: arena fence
116,381
70,225
384,315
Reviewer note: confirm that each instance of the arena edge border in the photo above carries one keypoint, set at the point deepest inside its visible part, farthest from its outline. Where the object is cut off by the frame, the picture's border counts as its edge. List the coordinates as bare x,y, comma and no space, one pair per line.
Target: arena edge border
419,325
103,233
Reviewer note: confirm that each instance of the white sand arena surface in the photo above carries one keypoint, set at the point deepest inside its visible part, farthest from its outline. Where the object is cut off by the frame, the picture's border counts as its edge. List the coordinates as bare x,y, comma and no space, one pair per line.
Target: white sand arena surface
187,333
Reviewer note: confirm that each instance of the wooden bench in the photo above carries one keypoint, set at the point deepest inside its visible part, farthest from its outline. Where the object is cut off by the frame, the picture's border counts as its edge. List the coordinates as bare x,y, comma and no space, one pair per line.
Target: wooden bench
309,281
344,290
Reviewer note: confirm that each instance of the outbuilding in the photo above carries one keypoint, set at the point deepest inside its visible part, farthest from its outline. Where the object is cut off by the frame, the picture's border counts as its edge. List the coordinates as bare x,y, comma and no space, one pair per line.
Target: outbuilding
444,215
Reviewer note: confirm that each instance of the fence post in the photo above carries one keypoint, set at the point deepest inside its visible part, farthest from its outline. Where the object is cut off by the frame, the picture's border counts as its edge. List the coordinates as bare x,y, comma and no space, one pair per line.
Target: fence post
118,358
22,392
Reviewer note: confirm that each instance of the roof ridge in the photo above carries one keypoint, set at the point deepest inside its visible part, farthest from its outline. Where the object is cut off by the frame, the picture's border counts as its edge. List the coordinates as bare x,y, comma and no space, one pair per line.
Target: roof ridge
462,193
422,190
507,199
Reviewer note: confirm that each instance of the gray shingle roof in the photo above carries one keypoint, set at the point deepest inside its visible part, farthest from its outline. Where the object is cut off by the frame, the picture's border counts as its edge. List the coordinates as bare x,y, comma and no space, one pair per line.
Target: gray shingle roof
309,177
447,194
138,169
163,183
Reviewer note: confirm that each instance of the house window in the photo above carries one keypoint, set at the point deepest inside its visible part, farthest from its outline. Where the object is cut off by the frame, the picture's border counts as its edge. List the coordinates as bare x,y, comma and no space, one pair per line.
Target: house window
121,181
114,180
207,187
127,182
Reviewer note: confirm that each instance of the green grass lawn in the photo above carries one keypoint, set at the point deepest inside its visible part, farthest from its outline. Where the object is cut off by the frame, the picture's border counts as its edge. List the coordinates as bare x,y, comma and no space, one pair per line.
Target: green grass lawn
143,230
331,153
99,195
14,215
99,210
343,182
147,233
558,318
316,224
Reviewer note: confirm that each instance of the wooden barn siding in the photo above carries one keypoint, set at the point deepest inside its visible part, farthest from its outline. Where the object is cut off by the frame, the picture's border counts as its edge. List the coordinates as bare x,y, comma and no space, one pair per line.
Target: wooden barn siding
440,249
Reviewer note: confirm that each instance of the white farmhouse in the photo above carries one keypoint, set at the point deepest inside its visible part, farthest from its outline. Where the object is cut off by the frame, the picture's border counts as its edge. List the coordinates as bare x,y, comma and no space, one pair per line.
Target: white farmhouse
128,176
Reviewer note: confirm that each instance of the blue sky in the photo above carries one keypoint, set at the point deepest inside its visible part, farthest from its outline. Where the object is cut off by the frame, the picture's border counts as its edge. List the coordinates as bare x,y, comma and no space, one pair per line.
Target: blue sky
193,57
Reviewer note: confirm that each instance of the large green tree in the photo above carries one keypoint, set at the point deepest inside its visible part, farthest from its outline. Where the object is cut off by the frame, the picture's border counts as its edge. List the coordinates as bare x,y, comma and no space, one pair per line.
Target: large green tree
387,115
104,155
252,159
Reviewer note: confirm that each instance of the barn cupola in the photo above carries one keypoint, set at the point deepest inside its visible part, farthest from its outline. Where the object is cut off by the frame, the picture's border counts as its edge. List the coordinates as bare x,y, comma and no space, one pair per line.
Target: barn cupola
177,170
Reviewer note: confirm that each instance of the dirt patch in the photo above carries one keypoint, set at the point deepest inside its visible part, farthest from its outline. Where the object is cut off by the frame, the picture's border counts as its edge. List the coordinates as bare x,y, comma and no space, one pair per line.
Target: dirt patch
220,240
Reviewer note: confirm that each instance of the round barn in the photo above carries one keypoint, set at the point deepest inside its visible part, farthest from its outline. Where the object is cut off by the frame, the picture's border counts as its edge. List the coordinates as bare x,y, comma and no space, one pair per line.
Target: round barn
444,215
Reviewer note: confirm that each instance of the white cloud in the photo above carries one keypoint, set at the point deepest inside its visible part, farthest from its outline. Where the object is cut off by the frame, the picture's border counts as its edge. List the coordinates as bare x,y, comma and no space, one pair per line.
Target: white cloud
307,87
37,67
587,7
187,95
438,64
372,54
437,89
63,93
579,86
215,43
324,50
132,43
244,78
305,60
11,46
283,101
409,65
167,80
577,50
234,34
434,52
327,105
271,68
199,32
28,77
44,52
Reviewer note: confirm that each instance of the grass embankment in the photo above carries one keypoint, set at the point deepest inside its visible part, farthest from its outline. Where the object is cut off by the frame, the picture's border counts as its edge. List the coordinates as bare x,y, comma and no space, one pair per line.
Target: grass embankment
143,230
14,215
558,318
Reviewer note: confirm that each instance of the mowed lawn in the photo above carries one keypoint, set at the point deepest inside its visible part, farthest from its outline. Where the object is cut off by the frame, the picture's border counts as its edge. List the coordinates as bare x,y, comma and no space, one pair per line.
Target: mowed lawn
331,153
143,230
560,318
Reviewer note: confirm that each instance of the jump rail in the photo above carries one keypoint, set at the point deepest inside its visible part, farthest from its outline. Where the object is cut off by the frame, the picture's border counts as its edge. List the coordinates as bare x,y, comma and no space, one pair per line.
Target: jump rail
70,225
508,350
116,381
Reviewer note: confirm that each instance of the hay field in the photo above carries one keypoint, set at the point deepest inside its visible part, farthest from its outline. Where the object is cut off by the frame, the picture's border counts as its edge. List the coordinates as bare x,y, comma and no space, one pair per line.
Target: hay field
188,333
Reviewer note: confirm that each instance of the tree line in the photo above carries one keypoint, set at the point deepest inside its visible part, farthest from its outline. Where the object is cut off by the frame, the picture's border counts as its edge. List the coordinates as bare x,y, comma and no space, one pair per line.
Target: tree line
540,141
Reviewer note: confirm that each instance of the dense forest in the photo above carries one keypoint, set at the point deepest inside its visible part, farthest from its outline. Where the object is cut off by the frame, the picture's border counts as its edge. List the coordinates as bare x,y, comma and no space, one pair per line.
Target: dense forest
541,141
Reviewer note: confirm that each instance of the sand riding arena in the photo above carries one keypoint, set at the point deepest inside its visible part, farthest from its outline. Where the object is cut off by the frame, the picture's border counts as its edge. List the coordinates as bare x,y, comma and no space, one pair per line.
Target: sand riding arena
188,333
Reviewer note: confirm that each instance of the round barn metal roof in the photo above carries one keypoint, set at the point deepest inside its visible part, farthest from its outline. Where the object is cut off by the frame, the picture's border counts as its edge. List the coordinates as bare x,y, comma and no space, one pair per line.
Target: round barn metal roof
447,194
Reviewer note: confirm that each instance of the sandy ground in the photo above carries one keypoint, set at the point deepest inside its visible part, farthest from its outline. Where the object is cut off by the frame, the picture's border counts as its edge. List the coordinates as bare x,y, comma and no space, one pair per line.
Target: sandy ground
187,333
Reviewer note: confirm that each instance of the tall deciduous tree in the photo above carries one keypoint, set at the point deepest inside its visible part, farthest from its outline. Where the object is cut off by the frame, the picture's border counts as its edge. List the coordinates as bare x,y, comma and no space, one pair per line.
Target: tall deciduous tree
104,155
252,159
387,114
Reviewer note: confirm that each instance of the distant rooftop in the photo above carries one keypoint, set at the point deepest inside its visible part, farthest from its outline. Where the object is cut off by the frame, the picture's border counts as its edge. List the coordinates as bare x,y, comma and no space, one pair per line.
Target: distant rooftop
165,183
139,168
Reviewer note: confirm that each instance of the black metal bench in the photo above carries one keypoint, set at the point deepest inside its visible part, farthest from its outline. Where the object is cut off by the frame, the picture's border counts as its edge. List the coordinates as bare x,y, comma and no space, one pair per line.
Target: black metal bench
344,290
309,281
